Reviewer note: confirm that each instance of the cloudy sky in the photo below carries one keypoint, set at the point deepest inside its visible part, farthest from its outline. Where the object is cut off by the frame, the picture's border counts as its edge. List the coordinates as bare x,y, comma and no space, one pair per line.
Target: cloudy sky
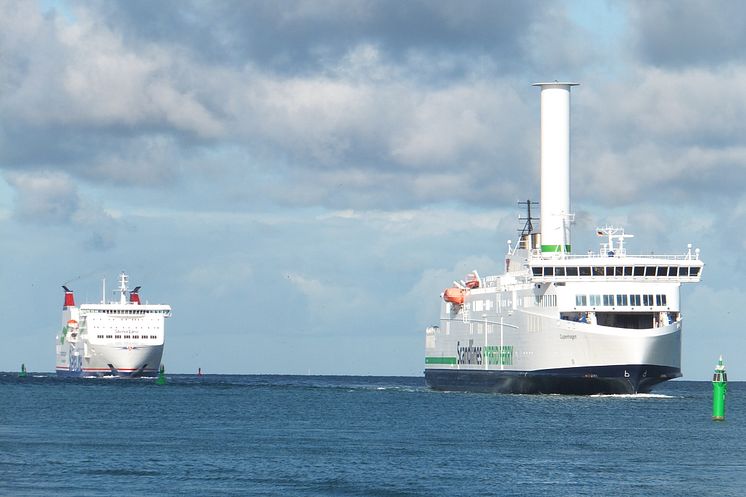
301,179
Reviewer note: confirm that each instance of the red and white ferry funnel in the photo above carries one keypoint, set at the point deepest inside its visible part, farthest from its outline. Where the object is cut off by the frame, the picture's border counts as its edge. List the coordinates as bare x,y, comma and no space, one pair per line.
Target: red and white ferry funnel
69,298
555,167
135,295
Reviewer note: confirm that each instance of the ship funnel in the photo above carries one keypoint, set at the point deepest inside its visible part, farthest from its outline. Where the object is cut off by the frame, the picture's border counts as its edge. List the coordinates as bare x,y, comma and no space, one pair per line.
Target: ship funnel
135,295
69,298
555,167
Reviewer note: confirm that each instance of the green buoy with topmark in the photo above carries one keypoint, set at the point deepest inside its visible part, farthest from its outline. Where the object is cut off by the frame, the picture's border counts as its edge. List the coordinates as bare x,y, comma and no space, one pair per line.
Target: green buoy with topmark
161,376
23,373
719,388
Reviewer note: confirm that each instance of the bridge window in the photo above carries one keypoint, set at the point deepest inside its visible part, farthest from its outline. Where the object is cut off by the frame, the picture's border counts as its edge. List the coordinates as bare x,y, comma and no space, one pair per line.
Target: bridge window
559,271
585,271
536,271
572,271
650,271
627,270
673,271
548,271
598,271
693,271
639,271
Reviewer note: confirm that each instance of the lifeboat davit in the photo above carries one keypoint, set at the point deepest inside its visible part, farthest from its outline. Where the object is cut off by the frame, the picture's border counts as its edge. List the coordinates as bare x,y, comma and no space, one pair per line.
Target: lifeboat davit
472,280
454,295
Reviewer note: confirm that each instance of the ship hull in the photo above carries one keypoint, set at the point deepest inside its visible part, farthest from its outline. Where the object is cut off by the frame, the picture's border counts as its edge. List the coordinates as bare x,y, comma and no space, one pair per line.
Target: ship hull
127,362
617,379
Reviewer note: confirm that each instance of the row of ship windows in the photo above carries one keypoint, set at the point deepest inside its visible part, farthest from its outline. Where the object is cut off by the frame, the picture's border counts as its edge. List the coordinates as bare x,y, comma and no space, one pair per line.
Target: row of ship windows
134,337
615,271
621,300
128,311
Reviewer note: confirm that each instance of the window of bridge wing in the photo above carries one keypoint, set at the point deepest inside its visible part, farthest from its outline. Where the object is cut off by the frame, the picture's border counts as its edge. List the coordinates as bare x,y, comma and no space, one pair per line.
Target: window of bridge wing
639,271
572,271
536,271
684,271
585,271
598,271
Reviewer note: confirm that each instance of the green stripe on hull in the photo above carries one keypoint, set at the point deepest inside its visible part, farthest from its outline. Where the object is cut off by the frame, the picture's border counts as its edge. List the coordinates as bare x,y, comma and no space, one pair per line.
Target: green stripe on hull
555,248
440,360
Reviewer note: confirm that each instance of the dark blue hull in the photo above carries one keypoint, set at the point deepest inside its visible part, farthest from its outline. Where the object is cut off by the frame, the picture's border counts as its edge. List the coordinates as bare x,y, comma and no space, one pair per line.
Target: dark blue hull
623,379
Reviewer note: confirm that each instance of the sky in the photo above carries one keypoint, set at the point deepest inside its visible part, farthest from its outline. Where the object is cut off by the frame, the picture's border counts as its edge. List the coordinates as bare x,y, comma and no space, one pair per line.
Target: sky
300,180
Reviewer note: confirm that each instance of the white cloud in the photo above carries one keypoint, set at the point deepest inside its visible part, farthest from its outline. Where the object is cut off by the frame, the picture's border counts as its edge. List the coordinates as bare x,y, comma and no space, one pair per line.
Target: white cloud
46,197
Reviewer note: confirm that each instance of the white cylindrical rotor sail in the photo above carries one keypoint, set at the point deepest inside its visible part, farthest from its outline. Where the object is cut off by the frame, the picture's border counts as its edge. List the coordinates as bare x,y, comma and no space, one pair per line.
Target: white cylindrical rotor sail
555,167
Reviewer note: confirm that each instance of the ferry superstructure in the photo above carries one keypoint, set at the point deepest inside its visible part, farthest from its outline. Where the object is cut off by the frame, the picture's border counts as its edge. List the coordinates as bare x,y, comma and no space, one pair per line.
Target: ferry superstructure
603,322
119,338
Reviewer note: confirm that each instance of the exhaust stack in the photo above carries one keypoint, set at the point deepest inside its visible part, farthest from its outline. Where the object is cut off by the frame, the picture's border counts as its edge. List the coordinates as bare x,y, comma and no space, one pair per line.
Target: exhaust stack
135,295
69,298
555,167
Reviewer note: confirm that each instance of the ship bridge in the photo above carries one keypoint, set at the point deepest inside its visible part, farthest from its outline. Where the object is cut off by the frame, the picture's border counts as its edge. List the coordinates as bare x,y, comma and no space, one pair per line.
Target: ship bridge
611,263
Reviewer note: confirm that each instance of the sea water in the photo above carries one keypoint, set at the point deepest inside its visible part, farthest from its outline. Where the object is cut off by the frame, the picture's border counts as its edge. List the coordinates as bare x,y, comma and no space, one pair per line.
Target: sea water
360,436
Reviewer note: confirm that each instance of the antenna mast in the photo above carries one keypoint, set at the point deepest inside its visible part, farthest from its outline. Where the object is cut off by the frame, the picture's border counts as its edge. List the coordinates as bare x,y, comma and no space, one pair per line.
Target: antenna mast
528,228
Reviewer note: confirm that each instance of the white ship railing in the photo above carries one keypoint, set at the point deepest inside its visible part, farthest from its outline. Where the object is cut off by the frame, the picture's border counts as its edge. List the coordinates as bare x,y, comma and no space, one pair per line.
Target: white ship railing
537,255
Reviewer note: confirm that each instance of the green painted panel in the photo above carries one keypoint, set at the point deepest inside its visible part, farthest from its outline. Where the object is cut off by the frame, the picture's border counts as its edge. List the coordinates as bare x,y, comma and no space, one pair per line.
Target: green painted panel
440,360
555,248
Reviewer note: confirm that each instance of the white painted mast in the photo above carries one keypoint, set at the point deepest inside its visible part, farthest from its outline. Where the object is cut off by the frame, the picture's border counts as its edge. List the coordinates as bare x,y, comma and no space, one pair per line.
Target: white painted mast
555,167
123,279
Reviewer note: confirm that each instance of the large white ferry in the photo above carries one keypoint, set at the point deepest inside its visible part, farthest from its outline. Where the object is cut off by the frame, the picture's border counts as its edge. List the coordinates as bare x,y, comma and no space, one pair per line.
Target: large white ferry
119,338
557,322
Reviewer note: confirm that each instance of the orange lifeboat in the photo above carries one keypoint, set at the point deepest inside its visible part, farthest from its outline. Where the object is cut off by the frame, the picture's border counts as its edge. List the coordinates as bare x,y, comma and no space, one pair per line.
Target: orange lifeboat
454,295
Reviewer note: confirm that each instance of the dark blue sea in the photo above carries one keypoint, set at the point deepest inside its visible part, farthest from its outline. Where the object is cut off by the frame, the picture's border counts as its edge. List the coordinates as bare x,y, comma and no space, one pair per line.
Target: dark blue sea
360,436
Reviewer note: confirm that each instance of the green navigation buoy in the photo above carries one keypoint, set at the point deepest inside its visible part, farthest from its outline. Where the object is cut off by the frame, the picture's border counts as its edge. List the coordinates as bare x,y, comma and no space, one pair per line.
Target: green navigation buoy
719,388
161,376
23,373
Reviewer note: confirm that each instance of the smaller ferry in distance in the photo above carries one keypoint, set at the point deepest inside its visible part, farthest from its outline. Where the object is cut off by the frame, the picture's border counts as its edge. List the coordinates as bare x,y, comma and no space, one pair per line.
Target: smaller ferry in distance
122,338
